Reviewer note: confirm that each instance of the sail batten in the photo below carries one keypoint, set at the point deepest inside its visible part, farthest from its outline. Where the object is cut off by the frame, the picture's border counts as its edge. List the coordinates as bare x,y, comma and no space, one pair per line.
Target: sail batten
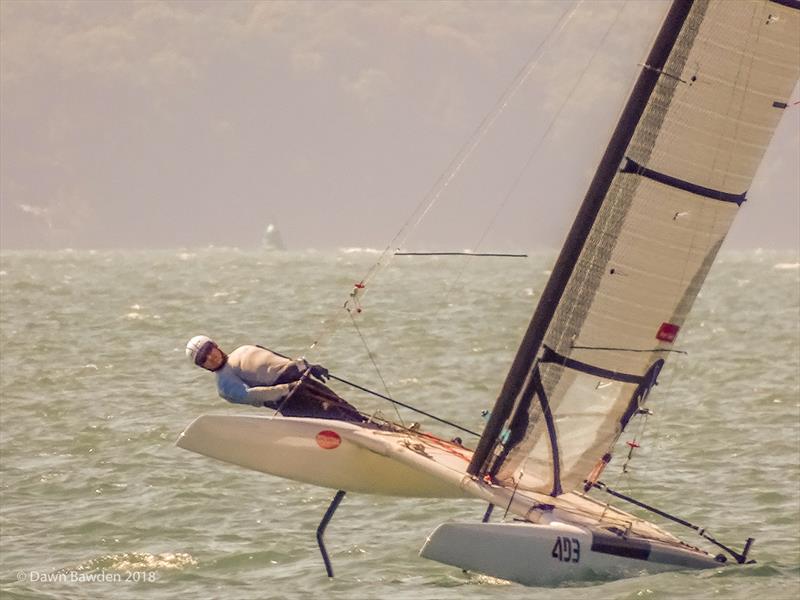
674,176
631,166
795,4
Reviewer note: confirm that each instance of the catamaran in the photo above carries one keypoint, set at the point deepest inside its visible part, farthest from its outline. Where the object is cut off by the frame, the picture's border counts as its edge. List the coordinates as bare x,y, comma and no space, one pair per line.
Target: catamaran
676,171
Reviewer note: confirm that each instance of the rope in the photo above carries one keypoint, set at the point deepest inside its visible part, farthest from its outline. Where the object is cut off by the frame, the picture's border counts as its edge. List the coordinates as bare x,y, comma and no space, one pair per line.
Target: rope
404,405
513,493
374,364
387,398
291,393
741,558
633,444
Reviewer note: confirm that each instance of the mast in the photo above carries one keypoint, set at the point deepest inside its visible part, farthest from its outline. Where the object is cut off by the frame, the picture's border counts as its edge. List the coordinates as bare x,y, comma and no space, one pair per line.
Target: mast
554,290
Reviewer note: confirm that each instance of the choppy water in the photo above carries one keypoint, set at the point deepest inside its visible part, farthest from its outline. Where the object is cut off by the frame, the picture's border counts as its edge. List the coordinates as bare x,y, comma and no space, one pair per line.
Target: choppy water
95,390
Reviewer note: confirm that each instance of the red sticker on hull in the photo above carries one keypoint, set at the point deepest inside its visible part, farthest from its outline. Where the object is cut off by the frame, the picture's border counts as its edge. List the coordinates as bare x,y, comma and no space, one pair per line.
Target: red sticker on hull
667,332
328,440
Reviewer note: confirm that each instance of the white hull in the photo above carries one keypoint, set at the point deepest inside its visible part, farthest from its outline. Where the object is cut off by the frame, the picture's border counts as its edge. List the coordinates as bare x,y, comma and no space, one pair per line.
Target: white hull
324,452
555,552
372,460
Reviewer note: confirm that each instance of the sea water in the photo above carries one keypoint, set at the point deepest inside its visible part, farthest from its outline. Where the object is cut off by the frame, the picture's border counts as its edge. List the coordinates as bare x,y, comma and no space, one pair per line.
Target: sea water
98,502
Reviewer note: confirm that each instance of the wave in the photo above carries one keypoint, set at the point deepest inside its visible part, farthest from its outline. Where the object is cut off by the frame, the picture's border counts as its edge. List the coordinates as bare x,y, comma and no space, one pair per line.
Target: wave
133,561
357,250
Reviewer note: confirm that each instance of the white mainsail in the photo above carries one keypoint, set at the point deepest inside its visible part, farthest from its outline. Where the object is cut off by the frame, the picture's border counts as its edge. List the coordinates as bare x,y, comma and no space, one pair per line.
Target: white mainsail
676,174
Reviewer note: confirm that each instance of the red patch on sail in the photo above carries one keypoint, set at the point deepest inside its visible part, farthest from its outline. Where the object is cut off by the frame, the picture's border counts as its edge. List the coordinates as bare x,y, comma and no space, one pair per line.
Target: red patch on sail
328,440
667,332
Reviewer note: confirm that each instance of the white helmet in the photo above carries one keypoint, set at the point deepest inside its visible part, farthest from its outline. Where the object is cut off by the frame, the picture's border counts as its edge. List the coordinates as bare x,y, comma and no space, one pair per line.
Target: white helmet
194,345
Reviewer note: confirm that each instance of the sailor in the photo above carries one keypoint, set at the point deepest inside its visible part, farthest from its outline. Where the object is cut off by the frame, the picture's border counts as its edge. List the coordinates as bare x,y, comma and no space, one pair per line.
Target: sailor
254,375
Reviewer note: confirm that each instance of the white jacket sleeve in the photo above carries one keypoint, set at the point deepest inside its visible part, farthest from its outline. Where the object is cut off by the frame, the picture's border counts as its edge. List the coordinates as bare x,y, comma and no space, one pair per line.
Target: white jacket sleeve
266,393
235,390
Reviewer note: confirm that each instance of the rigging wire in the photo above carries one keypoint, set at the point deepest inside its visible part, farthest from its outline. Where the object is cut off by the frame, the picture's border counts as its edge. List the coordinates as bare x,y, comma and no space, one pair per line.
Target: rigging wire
464,154
444,180
375,365
353,304
534,152
536,148
632,445
544,136
513,493
453,169
655,436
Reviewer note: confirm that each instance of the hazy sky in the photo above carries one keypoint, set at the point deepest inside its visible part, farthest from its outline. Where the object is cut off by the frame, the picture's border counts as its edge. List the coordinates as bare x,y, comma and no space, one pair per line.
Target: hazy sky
182,124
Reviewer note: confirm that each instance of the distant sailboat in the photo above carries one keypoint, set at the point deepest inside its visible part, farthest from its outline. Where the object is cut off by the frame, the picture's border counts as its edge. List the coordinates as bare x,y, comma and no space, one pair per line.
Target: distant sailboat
675,173
272,239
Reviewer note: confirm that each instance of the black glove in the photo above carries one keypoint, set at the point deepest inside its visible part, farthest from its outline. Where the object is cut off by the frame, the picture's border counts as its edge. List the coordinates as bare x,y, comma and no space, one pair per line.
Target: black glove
319,372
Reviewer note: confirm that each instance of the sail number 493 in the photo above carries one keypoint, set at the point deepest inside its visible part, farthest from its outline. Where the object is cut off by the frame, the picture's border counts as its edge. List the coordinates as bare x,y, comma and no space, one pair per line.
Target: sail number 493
567,549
